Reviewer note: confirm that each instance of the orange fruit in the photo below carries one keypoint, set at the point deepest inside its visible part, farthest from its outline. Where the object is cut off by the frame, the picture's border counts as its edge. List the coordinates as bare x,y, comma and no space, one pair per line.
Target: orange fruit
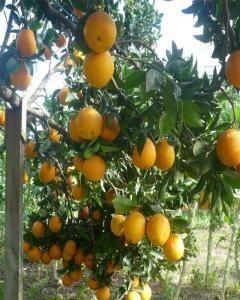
78,56
134,227
103,63
25,177
61,41
76,275
79,257
2,118
89,261
110,267
100,31
47,172
78,163
146,158
146,293
67,280
110,129
174,248
94,168
29,149
92,283
117,224
66,256
165,155
26,247
110,195
62,96
78,13
96,215
54,136
47,53
55,224
103,293
55,252
34,255
135,282
73,131
65,263
21,78
89,123
46,258
84,212
133,295
78,192
158,229
70,248
38,229
232,69
26,43
228,147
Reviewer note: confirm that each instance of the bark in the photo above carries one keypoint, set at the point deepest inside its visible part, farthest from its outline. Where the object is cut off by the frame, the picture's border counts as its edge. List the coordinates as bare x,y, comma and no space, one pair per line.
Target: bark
237,261
180,282
209,252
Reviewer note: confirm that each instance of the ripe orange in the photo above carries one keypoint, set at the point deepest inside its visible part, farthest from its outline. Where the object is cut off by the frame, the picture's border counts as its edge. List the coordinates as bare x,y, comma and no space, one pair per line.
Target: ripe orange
76,275
110,195
165,155
110,267
84,212
66,256
103,293
70,248
135,282
100,31
73,131
26,247
134,227
79,257
78,163
158,229
2,118
232,69
228,147
104,65
30,150
61,41
92,283
55,252
47,53
96,215
47,172
94,168
133,295
46,258
89,123
78,13
78,192
21,78
67,280
54,136
146,293
62,96
117,224
146,158
34,255
110,130
89,261
25,177
38,229
78,56
55,224
174,248
26,43
65,263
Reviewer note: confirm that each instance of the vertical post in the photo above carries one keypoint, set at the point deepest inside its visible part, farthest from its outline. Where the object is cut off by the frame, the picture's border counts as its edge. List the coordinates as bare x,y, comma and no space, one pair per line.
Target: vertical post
15,133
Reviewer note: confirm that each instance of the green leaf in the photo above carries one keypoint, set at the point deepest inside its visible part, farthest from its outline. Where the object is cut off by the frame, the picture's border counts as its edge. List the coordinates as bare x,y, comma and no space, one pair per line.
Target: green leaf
82,5
191,114
122,205
45,146
50,36
91,150
135,79
107,149
180,225
232,178
166,123
12,65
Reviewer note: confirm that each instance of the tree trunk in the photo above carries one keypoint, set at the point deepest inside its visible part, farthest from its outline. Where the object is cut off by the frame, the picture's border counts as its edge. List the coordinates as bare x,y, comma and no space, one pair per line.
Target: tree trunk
209,252
237,261
180,282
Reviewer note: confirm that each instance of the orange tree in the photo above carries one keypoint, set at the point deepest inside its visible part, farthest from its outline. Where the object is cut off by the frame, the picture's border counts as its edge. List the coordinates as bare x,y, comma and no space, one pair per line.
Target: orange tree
128,142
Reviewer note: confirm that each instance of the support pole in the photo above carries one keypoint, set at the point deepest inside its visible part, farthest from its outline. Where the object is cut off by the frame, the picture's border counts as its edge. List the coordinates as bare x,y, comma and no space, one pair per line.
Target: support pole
15,134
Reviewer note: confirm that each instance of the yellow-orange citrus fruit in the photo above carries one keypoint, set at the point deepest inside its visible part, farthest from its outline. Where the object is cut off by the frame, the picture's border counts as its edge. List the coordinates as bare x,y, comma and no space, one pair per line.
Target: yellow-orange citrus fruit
25,177
89,123
92,283
47,172
146,158
26,247
62,96
96,215
89,261
73,131
84,212
38,229
78,163
146,293
54,136
158,229
110,267
61,41
34,255
174,248
47,53
110,195
103,293
228,147
134,227
165,155
46,258
103,63
21,78
205,205
110,130
133,295
135,282
100,31
117,223
2,118
78,192
232,69
26,43
66,256
78,56
55,252
55,224
70,248
76,275
29,150
67,280
65,263
94,168
78,13
79,257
